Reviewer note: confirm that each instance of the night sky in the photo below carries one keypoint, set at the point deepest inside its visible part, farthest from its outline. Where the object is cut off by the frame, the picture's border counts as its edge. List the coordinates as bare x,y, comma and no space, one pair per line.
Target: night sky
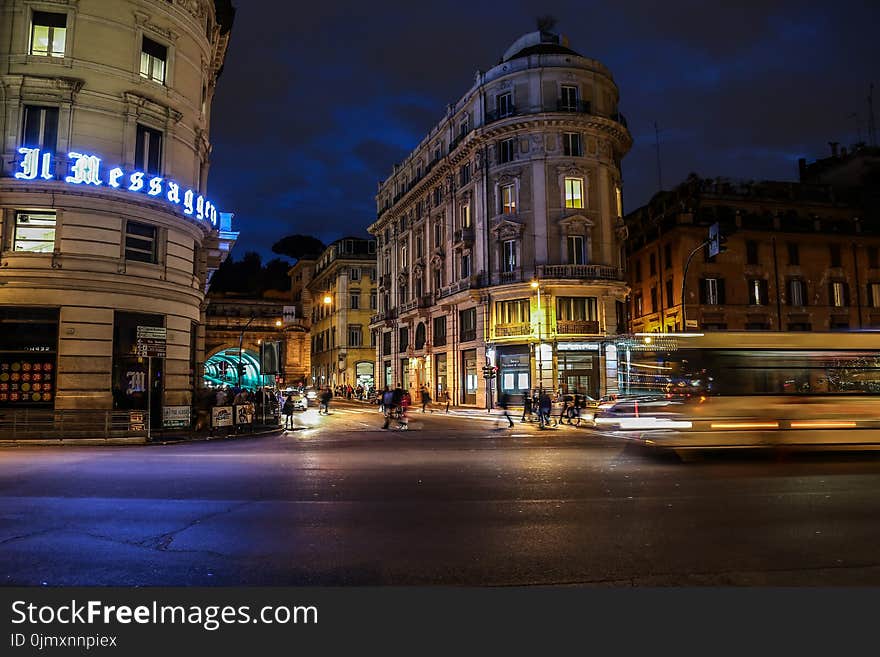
318,100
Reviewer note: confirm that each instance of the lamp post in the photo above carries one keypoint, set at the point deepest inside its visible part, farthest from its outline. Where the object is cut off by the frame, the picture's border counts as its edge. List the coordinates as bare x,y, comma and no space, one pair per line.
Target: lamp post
684,284
540,356
240,344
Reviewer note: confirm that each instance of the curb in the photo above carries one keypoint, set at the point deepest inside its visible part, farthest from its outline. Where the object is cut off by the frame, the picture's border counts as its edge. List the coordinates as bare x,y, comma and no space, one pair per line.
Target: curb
133,442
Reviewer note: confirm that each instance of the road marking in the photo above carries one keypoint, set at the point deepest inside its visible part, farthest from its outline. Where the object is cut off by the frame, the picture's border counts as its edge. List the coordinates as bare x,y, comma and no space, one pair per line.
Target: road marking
520,435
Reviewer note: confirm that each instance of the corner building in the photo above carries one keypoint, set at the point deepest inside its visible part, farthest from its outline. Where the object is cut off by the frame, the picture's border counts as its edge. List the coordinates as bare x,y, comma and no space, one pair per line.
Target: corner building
499,236
106,220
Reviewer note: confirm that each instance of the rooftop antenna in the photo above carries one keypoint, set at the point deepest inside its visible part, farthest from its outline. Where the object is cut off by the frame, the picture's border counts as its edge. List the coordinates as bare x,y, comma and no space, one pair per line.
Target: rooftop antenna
872,130
659,168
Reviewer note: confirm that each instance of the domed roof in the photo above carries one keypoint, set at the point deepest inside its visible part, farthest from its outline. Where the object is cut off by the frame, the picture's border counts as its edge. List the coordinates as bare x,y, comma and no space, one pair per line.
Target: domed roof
538,43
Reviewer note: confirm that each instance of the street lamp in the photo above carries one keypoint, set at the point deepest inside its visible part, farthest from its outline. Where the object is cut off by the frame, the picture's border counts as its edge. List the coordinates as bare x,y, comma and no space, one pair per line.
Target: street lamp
537,286
240,343
684,283
328,299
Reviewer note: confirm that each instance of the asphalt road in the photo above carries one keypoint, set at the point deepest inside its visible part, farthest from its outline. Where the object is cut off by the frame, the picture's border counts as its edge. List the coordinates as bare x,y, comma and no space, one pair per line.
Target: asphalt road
453,501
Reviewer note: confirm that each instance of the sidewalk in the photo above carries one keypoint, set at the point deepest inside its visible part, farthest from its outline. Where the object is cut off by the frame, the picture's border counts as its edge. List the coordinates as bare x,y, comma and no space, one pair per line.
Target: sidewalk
160,438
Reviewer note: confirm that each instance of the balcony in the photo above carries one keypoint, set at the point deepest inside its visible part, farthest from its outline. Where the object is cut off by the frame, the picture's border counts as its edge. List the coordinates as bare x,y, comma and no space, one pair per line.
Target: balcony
385,281
581,272
409,305
506,277
463,235
568,327
383,316
509,330
471,283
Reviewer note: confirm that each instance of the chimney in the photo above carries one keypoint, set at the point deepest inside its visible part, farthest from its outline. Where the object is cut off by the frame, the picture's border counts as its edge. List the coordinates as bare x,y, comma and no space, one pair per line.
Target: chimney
834,145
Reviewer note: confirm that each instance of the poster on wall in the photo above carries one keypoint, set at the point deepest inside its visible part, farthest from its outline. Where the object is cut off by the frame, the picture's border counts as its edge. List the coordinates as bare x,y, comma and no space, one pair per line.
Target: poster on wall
244,414
174,417
221,416
26,380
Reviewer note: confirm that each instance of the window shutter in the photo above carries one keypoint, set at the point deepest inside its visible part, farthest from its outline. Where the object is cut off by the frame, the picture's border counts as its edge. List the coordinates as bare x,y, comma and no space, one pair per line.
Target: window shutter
703,285
803,285
870,296
721,299
846,294
765,298
831,294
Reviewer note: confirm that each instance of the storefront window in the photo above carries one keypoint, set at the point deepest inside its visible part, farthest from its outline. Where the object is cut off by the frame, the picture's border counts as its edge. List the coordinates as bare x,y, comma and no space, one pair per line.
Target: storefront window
130,371
28,356
469,369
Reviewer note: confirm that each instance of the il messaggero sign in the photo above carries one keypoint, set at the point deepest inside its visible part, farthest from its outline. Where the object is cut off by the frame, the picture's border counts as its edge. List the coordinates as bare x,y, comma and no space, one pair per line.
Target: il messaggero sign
85,169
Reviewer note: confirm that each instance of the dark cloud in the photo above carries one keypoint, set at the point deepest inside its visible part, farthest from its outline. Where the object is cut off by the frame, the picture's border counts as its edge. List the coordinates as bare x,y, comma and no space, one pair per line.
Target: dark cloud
317,101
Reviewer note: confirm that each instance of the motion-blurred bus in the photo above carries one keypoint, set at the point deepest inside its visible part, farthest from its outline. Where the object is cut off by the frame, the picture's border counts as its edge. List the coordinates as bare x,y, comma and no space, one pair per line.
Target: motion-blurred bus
748,389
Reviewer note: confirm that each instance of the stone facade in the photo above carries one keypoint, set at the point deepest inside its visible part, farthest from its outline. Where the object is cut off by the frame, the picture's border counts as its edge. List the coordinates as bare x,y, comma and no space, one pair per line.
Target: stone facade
340,296
800,257
123,234
511,201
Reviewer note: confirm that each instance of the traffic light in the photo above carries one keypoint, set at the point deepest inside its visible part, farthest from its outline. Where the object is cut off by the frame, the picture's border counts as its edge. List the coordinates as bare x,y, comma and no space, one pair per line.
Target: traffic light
489,371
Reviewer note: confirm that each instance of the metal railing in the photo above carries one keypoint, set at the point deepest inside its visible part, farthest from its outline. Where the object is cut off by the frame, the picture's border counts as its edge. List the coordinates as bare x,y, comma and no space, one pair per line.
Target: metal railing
581,272
507,330
569,327
36,424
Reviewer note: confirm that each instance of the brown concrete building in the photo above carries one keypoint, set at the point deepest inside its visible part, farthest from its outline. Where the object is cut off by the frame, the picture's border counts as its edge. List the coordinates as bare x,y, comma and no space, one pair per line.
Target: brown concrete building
800,257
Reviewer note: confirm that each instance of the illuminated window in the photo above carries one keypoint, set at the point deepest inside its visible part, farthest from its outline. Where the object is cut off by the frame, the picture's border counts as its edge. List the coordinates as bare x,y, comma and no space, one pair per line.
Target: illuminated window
34,232
141,242
571,144
874,295
576,309
40,127
153,58
148,150
758,292
508,199
712,292
619,198
515,311
574,193
48,34
838,294
577,252
465,212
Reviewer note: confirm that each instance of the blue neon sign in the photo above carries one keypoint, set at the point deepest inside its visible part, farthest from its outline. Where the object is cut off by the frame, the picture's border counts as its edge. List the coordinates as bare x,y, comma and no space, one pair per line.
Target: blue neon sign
85,169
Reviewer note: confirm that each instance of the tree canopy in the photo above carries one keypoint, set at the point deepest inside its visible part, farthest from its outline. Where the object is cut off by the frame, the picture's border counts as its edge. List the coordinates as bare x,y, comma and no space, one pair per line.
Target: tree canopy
249,276
298,246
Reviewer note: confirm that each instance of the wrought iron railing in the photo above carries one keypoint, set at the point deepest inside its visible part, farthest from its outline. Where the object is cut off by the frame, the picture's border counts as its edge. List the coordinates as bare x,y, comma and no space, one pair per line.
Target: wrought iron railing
581,272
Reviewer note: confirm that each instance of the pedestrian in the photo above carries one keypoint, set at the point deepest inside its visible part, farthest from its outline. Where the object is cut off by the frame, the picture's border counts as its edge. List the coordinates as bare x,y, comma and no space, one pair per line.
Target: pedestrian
447,399
503,403
527,406
287,409
544,406
405,403
426,398
567,405
388,406
326,396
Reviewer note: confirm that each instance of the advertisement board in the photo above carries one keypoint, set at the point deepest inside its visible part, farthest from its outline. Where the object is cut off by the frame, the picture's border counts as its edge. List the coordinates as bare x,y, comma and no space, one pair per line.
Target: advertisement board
244,414
175,417
221,416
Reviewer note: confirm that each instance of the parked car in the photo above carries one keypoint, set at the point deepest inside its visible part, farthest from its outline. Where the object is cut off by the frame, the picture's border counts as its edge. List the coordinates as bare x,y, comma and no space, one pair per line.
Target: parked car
640,414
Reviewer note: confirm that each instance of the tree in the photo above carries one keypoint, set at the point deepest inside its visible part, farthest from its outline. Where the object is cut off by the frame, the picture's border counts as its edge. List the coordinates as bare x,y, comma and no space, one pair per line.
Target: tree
298,246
